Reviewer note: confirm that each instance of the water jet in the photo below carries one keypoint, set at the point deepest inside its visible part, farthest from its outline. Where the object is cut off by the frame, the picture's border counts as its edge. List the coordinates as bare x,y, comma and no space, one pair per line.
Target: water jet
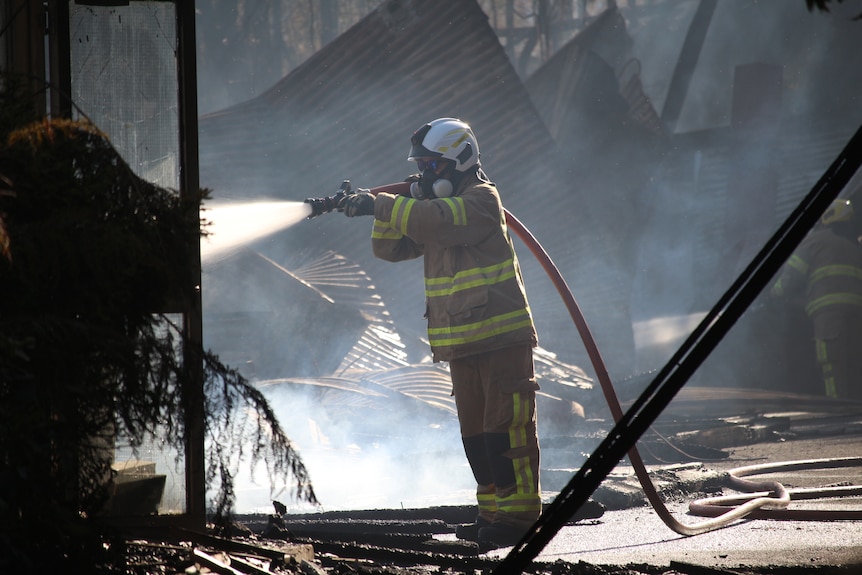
232,225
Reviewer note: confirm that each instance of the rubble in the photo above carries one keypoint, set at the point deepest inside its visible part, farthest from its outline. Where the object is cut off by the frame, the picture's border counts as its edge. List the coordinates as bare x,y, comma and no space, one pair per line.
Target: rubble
421,541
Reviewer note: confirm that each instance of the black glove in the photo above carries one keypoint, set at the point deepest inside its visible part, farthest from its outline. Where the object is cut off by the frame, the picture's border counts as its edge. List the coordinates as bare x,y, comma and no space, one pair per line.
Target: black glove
359,204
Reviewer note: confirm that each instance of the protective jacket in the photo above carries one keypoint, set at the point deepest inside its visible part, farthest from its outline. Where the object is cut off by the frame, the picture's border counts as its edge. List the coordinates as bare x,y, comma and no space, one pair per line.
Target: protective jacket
826,270
474,292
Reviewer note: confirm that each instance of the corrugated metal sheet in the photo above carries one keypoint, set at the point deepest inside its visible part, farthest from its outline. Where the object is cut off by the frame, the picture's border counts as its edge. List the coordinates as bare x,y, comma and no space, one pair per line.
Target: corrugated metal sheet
349,110
251,306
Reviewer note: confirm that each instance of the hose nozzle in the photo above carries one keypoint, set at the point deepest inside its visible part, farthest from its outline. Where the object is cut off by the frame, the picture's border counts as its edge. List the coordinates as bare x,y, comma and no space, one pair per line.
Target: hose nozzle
327,204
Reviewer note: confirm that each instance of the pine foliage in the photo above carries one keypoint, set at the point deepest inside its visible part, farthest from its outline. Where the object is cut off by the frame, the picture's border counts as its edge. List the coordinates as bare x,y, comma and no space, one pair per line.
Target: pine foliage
91,257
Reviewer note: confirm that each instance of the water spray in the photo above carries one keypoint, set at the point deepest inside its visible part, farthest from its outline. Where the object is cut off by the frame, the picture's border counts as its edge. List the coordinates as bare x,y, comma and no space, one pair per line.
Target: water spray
231,226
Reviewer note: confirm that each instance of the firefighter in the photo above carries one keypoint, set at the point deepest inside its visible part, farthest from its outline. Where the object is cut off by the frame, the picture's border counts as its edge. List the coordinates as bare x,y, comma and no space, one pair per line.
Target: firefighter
825,273
479,320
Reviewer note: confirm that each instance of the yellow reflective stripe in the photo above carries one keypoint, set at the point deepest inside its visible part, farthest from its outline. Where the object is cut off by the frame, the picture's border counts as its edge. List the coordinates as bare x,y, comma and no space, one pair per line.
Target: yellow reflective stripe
486,501
401,213
520,502
383,231
490,275
456,143
468,333
850,299
836,270
521,416
778,288
826,367
524,475
459,212
403,206
831,390
798,264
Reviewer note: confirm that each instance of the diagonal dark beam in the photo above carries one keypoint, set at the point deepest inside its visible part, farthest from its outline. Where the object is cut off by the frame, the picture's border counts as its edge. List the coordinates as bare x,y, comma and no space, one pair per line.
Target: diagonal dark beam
685,66
686,360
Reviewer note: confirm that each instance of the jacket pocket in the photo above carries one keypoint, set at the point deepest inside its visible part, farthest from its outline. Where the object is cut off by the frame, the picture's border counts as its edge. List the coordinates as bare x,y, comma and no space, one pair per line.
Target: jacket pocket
469,304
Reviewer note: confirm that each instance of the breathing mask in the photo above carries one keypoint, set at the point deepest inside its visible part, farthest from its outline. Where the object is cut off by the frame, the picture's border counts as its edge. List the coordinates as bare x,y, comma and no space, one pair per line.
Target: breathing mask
431,185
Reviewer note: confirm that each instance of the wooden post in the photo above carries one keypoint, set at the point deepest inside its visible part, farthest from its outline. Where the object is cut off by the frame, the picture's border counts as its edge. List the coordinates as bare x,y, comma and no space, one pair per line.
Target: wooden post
192,315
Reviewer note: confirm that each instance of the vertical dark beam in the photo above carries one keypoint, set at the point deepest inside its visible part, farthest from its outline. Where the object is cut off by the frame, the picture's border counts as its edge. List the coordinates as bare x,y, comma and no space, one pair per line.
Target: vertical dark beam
543,30
57,102
192,315
685,66
27,48
59,58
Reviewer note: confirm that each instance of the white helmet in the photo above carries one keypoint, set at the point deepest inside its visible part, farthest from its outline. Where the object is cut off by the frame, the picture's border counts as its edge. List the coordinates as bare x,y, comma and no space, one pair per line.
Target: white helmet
447,138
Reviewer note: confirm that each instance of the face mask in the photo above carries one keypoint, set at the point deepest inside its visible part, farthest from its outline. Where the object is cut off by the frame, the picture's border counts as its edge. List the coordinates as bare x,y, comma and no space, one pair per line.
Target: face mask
430,184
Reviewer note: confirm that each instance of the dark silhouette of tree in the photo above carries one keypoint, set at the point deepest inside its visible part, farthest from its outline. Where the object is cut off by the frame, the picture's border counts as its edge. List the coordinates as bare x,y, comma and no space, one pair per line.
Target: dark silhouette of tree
90,257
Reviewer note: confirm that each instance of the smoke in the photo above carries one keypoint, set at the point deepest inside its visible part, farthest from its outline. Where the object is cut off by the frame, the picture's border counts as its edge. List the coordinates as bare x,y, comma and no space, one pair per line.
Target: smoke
366,456
364,446
232,226
363,454
699,231
363,449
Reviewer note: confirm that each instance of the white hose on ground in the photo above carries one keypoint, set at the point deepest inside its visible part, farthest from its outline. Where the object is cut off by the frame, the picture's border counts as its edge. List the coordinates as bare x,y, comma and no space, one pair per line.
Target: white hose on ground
717,506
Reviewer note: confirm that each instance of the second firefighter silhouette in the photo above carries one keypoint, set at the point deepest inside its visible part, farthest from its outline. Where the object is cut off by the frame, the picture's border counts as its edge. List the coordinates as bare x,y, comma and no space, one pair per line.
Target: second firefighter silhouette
478,317
825,276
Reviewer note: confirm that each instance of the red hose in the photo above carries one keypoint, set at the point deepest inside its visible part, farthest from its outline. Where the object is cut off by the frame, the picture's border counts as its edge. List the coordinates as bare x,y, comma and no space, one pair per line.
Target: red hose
398,189
601,371
767,499
777,495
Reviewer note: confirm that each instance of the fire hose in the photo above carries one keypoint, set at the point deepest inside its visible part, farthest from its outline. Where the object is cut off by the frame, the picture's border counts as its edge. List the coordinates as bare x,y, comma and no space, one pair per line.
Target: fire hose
764,496
777,495
713,506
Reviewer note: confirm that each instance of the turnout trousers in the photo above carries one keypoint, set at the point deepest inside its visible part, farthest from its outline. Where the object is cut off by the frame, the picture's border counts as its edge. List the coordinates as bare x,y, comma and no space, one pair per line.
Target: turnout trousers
840,360
495,394
838,344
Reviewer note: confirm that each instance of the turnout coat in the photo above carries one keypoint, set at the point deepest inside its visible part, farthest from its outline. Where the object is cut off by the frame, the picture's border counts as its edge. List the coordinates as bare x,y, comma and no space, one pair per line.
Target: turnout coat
826,269
474,291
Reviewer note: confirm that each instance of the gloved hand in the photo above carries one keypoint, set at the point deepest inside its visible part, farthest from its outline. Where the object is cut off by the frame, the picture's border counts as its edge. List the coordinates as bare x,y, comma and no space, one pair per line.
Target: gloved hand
359,204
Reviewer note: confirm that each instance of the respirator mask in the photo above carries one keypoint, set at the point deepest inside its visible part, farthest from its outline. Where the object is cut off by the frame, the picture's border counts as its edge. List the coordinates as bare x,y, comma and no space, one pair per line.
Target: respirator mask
431,185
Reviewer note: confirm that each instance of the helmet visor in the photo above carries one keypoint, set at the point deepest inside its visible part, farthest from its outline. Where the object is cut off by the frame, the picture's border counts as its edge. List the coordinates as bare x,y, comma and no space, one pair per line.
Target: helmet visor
435,165
417,149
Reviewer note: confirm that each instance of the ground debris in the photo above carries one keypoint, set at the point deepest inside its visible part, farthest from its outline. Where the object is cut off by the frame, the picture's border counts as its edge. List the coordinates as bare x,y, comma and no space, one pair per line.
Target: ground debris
368,542
203,553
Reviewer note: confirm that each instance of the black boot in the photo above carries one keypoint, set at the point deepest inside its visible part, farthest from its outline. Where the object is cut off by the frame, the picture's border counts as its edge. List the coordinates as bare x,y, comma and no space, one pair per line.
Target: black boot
470,531
500,535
